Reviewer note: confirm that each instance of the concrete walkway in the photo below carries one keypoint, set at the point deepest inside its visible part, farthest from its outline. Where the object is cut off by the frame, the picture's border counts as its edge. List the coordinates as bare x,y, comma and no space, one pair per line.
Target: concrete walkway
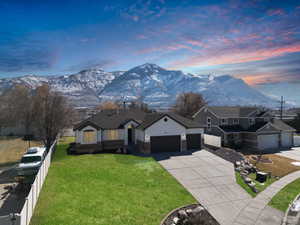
257,212
293,153
211,180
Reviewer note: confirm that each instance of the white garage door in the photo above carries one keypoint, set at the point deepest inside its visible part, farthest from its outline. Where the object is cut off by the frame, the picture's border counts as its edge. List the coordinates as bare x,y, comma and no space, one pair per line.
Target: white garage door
268,141
286,139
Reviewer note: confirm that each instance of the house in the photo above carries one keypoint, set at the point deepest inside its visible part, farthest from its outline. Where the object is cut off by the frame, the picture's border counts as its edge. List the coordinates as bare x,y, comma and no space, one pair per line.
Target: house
147,132
246,127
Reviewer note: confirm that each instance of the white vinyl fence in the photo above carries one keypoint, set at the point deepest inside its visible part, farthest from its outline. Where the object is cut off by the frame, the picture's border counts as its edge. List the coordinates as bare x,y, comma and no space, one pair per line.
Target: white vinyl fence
296,140
212,140
26,213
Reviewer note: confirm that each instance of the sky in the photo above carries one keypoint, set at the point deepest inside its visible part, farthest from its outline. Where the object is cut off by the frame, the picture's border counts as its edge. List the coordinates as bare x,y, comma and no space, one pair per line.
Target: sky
258,40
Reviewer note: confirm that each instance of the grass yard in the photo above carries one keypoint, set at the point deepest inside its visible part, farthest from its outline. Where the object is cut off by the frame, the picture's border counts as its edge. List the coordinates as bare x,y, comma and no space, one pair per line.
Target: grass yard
279,167
107,189
285,196
259,186
12,149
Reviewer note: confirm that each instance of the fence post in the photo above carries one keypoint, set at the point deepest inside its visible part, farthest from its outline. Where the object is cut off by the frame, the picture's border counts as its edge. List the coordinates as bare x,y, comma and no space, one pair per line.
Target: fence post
27,223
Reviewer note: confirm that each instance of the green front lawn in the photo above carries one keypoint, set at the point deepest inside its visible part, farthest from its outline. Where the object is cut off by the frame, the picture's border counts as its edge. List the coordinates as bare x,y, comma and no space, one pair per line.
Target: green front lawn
107,189
260,187
285,196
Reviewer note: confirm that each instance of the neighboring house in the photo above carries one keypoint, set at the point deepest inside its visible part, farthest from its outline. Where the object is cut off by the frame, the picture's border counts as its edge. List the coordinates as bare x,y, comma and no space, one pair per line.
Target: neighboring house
245,127
287,115
147,132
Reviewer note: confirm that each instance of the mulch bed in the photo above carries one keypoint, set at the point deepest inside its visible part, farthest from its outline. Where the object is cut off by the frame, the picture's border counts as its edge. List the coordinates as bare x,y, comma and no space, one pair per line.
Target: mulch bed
207,218
227,154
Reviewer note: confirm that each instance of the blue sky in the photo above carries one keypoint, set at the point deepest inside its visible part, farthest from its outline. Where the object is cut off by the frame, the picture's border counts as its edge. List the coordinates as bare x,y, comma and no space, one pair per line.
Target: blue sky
258,41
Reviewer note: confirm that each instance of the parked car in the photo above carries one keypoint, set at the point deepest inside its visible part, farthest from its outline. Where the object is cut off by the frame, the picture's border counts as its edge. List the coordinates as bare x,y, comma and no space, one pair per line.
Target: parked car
31,161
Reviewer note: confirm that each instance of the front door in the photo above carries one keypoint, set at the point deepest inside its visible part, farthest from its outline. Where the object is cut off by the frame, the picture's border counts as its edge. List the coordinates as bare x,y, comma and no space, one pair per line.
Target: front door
129,130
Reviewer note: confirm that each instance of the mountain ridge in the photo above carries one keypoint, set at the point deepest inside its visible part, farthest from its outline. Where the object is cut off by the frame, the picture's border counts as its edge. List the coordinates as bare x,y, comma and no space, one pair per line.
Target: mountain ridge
157,86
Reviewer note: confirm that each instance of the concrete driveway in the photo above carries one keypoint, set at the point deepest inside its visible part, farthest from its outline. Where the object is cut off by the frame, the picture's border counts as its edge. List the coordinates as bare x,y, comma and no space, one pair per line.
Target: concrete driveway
293,153
211,180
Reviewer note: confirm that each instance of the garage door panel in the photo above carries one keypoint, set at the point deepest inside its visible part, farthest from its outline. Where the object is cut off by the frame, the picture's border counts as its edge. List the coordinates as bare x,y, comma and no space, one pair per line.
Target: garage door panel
268,141
193,141
165,143
286,139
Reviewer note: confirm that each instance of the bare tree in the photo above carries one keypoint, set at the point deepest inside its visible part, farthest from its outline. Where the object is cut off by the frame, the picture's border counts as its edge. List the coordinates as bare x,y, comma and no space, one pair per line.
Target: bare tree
187,104
52,113
139,104
17,107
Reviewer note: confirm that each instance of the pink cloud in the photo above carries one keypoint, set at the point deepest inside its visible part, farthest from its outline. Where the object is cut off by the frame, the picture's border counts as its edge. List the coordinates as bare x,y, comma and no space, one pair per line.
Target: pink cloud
276,12
261,78
141,37
233,56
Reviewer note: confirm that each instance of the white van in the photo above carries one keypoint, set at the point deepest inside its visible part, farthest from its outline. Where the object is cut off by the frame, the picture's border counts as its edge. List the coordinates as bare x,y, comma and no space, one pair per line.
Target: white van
31,161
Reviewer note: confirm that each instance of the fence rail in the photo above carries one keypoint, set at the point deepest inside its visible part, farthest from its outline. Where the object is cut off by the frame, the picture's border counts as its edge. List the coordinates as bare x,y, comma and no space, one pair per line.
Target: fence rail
24,217
212,140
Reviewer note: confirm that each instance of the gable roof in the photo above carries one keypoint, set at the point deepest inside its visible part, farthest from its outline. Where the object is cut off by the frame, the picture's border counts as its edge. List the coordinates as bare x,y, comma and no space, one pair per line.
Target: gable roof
275,123
279,124
232,111
113,119
154,117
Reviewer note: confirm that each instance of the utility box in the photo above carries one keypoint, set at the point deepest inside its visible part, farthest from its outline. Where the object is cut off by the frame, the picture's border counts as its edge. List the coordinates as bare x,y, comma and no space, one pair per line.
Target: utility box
261,177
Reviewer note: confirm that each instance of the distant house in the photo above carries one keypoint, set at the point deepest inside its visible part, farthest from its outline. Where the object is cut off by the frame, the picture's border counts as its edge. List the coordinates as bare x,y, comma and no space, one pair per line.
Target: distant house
246,127
146,132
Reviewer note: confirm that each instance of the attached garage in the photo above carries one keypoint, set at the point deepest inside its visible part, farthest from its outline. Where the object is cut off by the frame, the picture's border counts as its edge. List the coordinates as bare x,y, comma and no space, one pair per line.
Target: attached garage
165,143
268,141
286,139
193,141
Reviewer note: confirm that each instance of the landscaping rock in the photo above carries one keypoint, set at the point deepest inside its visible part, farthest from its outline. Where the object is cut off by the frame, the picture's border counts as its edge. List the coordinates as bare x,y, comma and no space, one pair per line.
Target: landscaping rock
190,215
248,180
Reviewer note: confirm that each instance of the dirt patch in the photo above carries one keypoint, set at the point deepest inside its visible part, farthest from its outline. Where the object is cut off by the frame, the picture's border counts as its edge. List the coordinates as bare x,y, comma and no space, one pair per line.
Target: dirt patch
262,159
280,166
12,149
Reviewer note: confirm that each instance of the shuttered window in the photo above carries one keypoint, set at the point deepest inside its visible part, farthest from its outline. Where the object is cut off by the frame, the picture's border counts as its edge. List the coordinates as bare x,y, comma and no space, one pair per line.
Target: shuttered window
112,135
89,136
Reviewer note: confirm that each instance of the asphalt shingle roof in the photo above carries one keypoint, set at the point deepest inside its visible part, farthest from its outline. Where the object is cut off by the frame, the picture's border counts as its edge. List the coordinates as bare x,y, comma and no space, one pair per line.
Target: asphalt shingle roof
152,118
282,125
232,111
112,119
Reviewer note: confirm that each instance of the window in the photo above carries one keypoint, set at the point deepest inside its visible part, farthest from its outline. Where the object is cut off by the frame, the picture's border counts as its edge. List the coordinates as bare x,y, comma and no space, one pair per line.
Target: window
223,121
166,119
31,159
209,123
251,121
235,121
89,136
112,135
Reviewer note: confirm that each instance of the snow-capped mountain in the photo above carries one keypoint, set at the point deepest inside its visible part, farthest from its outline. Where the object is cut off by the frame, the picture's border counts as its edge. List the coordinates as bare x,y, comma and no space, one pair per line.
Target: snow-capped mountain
155,85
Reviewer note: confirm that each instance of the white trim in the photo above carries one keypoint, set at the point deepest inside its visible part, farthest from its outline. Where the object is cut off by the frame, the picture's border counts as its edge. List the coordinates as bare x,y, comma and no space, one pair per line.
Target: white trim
225,121
237,119
270,124
199,111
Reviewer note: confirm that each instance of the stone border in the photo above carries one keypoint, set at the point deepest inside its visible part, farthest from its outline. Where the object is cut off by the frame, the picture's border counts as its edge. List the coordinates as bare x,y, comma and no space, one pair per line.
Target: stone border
284,221
169,214
186,207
